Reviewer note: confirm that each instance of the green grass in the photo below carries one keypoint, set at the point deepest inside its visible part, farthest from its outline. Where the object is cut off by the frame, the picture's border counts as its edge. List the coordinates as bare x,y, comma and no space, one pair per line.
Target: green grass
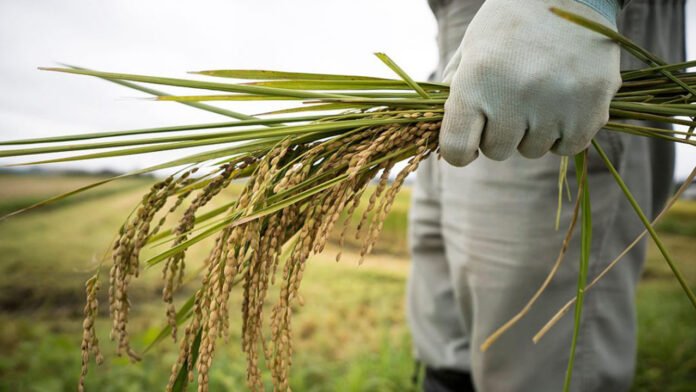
351,334
680,220
350,337
666,339
19,191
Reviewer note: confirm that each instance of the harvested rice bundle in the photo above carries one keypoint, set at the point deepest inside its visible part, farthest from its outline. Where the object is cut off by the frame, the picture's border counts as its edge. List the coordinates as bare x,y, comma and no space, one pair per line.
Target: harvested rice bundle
304,172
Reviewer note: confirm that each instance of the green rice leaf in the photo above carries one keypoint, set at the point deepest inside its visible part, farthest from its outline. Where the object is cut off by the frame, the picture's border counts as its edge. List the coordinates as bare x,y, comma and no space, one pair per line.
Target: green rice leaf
399,71
273,75
151,91
636,207
665,109
227,97
183,314
585,247
316,108
213,229
176,128
645,72
341,85
406,102
319,130
619,113
562,171
197,84
252,97
181,381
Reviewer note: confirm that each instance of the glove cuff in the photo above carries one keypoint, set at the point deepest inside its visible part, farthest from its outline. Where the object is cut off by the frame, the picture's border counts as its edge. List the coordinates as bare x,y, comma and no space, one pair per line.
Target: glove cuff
607,8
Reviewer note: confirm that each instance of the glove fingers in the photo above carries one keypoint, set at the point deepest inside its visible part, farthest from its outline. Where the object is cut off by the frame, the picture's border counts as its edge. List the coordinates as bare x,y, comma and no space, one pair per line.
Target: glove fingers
460,134
577,139
540,139
579,132
501,138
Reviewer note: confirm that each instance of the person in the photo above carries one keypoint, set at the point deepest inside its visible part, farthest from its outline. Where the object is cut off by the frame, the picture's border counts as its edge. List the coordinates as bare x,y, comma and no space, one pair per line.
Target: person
524,83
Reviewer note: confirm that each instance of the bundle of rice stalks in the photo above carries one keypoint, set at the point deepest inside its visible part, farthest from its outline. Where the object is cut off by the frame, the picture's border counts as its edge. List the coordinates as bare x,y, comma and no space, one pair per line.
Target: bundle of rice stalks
304,174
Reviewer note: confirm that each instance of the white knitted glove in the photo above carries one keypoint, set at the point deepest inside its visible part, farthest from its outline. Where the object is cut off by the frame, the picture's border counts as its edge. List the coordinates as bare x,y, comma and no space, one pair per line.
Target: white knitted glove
525,79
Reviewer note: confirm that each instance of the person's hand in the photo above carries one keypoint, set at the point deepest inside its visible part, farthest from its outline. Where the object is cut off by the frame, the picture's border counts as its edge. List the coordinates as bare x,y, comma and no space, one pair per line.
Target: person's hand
524,79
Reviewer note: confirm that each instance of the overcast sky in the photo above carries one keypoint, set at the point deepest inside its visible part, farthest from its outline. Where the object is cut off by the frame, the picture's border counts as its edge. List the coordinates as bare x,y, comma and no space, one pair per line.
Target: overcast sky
171,37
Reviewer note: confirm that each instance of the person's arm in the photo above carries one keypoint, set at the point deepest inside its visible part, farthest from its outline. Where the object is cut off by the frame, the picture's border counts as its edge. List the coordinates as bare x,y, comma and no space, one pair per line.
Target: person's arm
607,8
524,79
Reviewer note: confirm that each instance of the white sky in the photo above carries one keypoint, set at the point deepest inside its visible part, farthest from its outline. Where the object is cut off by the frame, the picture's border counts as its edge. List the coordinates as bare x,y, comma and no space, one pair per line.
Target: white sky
161,37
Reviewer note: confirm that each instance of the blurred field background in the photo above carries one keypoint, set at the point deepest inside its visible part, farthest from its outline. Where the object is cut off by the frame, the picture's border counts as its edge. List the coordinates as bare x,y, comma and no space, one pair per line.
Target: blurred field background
350,335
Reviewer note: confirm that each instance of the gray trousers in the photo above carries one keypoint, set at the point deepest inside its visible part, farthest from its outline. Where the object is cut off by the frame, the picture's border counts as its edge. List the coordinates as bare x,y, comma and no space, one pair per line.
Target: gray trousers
482,239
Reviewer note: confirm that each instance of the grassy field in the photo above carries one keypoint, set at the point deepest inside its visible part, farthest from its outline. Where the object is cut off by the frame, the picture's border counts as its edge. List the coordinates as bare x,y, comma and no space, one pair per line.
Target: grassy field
350,334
